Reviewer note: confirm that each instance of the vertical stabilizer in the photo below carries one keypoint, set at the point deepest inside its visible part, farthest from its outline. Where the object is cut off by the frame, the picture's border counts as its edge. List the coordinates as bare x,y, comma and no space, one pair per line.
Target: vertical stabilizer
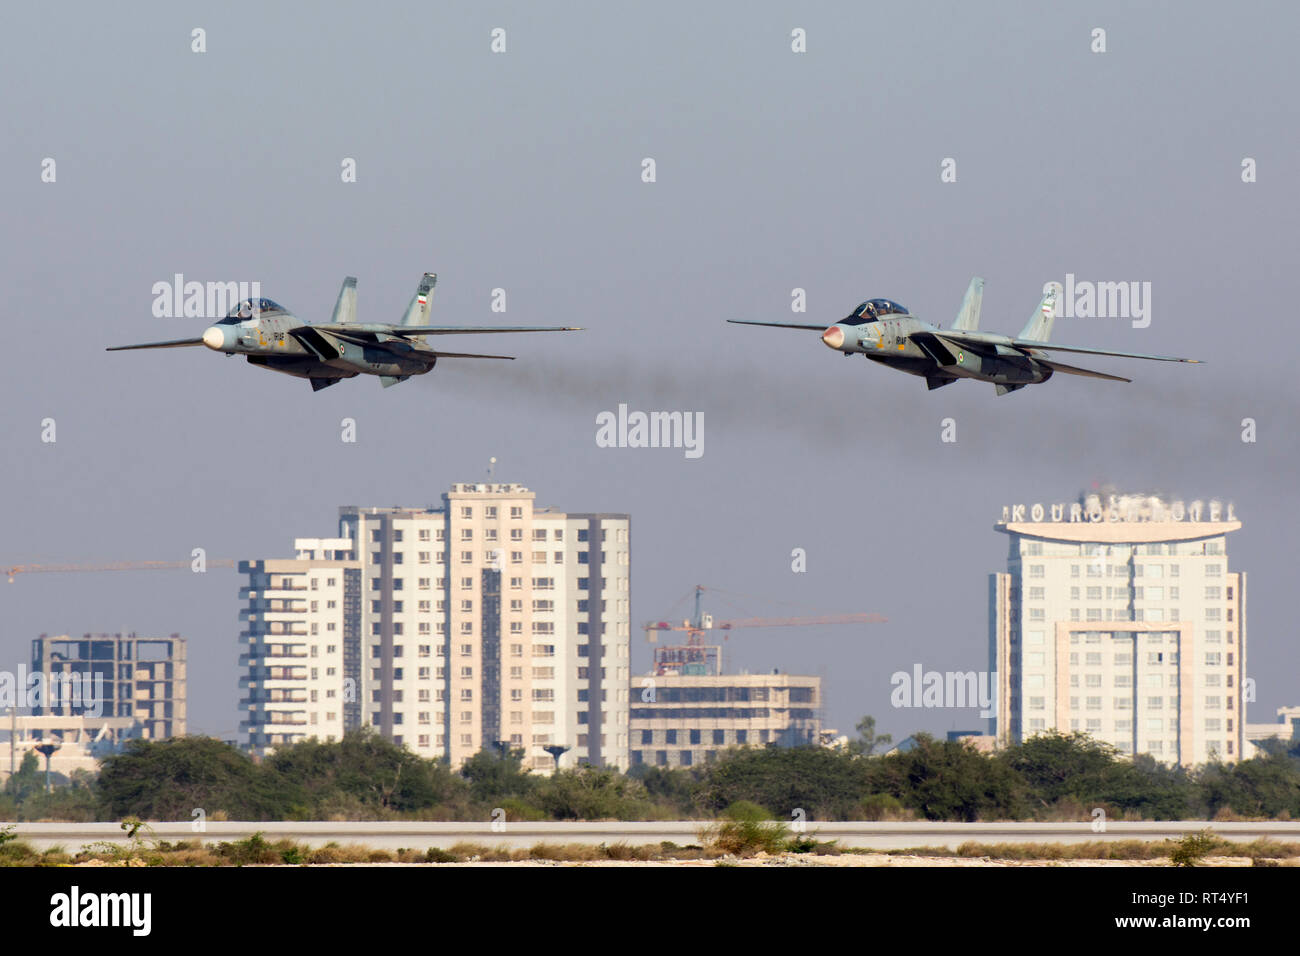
1039,326
968,317
345,309
417,313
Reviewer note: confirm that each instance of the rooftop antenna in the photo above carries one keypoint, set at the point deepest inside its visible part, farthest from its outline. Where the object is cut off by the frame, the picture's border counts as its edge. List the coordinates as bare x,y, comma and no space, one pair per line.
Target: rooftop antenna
492,465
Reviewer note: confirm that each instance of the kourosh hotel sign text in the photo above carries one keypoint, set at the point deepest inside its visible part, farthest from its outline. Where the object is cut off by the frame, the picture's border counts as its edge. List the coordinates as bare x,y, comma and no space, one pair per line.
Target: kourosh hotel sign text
1117,508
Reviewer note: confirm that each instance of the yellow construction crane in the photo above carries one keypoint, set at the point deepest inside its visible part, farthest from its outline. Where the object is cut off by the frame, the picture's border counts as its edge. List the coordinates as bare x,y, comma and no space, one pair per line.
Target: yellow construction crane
17,569
695,657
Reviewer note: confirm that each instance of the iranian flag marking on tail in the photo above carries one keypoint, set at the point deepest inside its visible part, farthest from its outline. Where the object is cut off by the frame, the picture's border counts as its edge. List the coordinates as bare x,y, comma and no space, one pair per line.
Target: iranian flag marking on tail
422,298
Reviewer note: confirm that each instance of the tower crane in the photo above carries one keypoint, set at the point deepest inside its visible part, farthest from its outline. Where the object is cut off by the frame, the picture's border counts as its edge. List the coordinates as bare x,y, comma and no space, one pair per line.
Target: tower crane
696,657
17,569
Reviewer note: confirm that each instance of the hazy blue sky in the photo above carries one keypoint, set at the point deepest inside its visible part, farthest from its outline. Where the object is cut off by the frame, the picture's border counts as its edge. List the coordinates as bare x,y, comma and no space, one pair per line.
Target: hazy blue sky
522,170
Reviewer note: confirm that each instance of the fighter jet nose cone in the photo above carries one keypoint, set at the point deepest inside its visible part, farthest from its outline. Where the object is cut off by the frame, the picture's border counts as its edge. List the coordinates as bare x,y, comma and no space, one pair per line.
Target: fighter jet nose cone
214,338
833,337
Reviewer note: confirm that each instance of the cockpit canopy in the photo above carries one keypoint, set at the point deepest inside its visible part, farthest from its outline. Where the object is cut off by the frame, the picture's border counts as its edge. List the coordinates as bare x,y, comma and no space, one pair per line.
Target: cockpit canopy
247,308
873,309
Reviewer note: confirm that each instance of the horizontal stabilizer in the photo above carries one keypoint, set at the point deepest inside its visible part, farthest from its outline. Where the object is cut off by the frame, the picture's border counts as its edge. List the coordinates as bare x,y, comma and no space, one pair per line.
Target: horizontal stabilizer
173,344
440,355
780,325
390,380
318,383
1075,370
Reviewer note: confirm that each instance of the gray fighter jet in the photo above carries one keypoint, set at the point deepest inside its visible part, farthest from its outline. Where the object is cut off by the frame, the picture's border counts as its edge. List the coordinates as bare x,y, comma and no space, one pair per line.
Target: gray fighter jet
271,336
885,332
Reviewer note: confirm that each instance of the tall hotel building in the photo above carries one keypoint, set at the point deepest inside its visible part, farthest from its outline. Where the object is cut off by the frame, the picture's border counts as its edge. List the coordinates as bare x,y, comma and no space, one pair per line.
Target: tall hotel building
483,623
1117,616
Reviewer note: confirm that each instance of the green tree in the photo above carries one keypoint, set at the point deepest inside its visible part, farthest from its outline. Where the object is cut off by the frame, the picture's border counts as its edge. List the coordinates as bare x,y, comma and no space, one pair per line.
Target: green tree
825,784
168,779
868,741
948,780
493,776
363,774
1057,765
592,793
1259,787
28,780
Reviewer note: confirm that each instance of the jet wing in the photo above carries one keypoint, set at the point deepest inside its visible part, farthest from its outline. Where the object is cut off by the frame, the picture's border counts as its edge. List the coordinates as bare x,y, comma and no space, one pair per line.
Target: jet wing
404,330
305,333
780,325
982,340
474,329
173,344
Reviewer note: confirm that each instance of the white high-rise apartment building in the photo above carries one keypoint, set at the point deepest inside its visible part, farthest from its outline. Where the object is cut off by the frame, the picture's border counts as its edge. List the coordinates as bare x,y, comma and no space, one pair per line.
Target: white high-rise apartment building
1118,616
302,660
490,622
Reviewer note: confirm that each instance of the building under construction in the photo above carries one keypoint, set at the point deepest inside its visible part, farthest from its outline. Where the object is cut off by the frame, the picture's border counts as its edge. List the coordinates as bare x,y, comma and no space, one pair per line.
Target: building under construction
118,675
686,711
